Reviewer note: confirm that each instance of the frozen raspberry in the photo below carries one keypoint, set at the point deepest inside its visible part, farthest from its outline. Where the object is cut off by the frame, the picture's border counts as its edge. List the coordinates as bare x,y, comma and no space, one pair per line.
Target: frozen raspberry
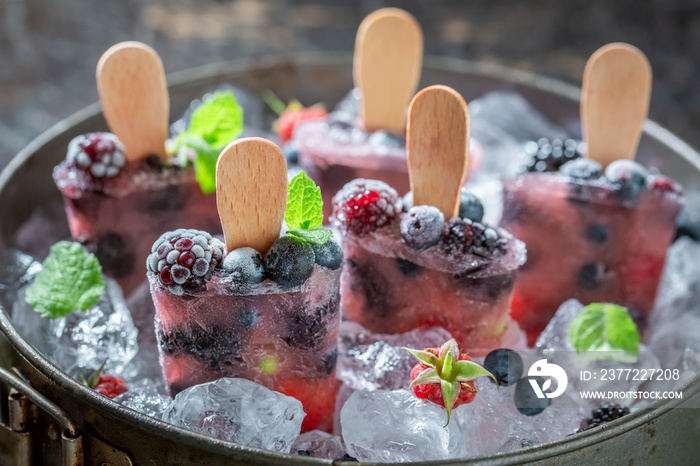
183,260
362,206
105,384
99,154
664,183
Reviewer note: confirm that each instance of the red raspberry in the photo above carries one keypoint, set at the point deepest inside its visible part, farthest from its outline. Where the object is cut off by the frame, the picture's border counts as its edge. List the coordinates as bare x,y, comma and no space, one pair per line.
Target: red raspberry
433,392
289,119
110,386
362,206
664,183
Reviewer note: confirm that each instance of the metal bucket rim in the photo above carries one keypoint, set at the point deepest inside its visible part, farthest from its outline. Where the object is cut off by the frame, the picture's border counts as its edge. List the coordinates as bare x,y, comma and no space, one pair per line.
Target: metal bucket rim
192,76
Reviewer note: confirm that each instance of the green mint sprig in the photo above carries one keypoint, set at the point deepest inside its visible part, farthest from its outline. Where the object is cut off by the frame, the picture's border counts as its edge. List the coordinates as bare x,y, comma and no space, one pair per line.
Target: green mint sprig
213,125
605,331
304,215
71,280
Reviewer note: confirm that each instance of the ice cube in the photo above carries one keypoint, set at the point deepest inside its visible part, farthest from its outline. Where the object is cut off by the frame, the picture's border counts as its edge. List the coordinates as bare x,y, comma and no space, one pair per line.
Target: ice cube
17,270
147,397
146,363
239,411
555,337
373,361
46,225
83,340
324,445
394,425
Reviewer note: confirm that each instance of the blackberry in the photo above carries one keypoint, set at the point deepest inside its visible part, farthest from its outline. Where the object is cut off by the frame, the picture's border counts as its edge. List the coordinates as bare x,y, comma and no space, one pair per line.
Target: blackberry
548,156
307,330
422,226
363,206
114,253
470,206
244,265
603,414
525,398
290,262
213,346
365,280
467,237
505,364
99,154
183,260
328,254
408,268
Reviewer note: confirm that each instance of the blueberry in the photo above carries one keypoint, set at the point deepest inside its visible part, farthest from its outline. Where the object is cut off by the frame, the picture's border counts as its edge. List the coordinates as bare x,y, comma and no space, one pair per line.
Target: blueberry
589,275
470,207
290,261
247,318
505,364
525,398
687,227
582,169
408,268
597,234
168,199
328,254
372,285
291,154
115,255
245,265
407,202
628,176
422,226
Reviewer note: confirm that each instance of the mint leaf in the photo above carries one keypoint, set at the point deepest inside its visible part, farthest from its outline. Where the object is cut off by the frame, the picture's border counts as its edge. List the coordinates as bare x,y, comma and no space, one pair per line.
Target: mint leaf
219,120
317,235
605,331
71,280
213,125
304,204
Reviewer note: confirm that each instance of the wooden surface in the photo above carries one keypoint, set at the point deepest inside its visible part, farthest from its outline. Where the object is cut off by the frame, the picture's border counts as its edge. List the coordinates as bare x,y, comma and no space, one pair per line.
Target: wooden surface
251,193
387,65
615,101
134,95
438,148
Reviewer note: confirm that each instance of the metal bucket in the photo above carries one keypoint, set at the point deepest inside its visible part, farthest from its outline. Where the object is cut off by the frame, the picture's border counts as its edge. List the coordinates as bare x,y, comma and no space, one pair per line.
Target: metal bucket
74,425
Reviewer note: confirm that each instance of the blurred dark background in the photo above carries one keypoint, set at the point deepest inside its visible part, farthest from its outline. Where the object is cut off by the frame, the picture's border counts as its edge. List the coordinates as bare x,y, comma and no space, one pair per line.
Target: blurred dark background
49,49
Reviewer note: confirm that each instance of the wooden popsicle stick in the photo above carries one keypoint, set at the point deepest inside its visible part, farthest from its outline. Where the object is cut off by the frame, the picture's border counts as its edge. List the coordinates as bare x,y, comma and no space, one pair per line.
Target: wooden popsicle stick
615,102
438,148
134,95
387,65
251,193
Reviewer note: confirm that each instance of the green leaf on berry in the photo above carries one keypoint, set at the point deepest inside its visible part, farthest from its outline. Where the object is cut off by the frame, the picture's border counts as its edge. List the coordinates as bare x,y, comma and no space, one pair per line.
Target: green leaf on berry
213,125
317,235
304,215
424,357
71,280
467,371
605,331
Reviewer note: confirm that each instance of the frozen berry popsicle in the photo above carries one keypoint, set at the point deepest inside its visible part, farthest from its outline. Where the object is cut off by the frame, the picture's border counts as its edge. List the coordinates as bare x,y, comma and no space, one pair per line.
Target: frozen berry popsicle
261,307
345,146
121,190
597,228
428,266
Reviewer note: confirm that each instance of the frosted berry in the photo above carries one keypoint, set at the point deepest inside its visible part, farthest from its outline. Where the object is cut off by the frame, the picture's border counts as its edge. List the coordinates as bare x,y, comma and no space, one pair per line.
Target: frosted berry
363,206
245,265
582,169
183,260
290,261
603,414
467,237
99,154
470,207
547,155
422,226
629,177
328,254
